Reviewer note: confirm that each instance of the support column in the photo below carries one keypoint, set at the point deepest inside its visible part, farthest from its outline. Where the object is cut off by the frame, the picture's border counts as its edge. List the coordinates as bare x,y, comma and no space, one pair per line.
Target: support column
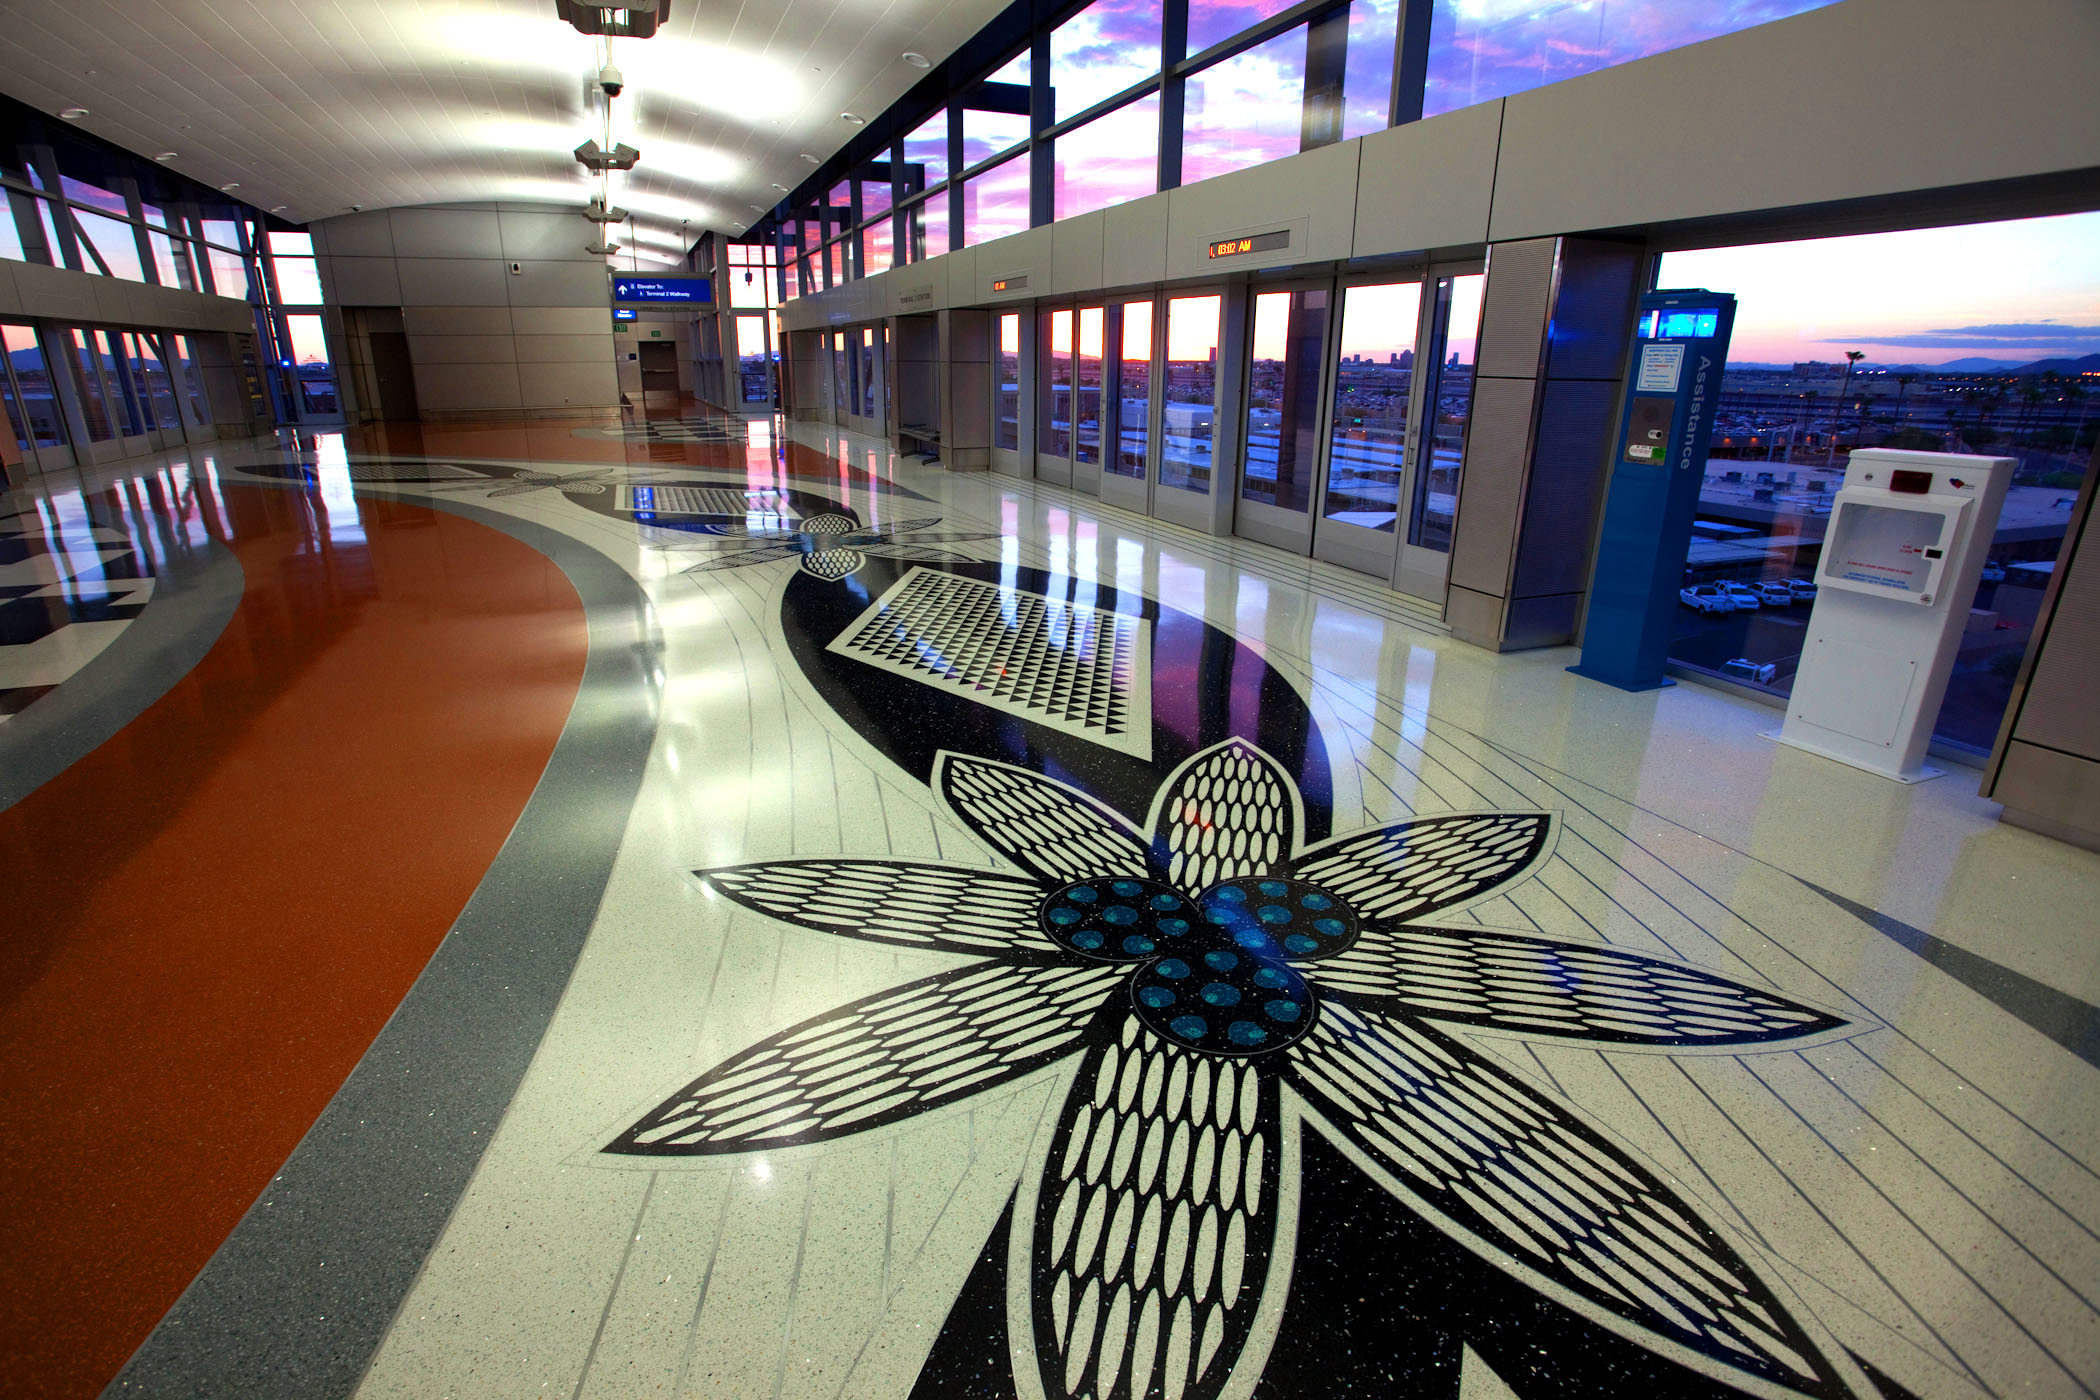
2046,765
966,401
1553,333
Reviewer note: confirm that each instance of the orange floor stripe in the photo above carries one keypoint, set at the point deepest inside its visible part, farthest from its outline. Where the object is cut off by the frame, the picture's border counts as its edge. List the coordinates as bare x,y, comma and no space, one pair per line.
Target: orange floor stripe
211,916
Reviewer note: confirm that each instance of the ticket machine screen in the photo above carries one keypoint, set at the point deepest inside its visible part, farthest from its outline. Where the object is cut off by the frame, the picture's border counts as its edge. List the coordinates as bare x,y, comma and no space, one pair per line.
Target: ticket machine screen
1700,323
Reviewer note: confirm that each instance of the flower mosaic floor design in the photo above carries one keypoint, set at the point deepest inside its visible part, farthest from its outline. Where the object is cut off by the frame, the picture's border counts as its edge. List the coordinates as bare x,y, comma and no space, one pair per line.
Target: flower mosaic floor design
1213,977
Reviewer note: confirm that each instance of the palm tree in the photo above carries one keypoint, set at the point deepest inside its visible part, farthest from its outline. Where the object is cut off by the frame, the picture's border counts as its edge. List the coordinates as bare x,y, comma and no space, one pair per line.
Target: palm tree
1903,383
1852,357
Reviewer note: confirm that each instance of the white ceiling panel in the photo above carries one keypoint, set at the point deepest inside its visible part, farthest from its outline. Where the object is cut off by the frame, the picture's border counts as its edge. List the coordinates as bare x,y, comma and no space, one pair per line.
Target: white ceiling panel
324,105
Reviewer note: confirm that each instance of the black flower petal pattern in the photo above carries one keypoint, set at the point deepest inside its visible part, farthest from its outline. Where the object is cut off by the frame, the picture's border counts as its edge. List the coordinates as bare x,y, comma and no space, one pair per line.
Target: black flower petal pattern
830,544
526,483
1214,989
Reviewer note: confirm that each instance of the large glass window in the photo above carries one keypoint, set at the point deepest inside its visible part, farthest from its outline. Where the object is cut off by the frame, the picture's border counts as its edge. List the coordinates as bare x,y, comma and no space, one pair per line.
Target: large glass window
876,252
10,241
1991,364
841,388
1112,159
155,385
1449,392
1055,370
1373,375
1192,392
310,363
1367,67
1245,111
928,223
87,384
229,274
298,281
1109,46
36,401
753,377
1130,390
1006,409
1215,21
171,260
926,154
183,363
995,203
875,189
1283,398
1484,49
94,196
114,244
995,114
867,376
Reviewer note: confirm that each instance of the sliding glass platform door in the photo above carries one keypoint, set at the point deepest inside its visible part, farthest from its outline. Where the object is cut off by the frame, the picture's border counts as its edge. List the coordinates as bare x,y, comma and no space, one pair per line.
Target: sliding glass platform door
1280,440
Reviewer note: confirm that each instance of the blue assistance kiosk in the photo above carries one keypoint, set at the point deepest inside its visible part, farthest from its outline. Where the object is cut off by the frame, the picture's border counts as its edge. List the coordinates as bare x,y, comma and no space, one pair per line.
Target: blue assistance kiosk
1658,465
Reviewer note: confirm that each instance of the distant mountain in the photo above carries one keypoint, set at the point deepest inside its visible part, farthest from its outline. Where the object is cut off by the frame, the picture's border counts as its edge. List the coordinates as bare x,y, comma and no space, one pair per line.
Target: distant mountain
2084,364
1972,364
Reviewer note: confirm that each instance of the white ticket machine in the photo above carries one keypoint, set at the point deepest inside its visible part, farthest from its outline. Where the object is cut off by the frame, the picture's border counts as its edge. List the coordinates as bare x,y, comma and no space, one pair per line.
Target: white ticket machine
1908,535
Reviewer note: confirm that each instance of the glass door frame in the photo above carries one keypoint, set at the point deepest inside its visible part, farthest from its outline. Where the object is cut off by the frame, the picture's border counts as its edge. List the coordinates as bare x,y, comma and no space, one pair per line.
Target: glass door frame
1210,509
1051,466
1132,493
1260,521
1359,547
1422,572
1017,460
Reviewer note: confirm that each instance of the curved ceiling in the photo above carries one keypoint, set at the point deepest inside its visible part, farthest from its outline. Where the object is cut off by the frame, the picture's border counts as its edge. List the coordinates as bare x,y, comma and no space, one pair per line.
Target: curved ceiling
323,105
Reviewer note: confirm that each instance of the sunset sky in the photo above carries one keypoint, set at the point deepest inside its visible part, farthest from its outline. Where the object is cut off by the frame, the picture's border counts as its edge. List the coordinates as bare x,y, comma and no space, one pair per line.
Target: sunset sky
2021,290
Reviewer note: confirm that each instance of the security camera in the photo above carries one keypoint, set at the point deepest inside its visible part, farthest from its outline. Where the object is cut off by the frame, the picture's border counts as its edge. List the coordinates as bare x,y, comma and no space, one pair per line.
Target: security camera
610,81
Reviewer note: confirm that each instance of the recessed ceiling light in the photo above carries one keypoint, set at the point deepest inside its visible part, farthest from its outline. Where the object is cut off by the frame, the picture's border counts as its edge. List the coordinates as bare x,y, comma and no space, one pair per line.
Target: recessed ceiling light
808,157
917,60
72,114
782,188
167,155
279,208
848,118
233,185
758,208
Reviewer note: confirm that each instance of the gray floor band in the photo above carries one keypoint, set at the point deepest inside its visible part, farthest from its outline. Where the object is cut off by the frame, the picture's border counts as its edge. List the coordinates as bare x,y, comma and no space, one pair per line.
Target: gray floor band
2071,1023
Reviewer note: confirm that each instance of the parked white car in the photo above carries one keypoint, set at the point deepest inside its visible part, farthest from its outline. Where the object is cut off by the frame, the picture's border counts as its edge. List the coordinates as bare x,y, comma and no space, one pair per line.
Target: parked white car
1707,598
1744,669
1804,590
1993,572
1746,598
1775,592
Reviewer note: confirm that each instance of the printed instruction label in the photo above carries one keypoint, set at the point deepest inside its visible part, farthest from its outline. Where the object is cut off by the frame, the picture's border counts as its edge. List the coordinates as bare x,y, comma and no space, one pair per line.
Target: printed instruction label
1661,367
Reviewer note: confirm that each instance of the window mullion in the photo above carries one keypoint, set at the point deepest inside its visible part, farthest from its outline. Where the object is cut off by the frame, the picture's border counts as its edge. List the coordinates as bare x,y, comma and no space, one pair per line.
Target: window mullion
1410,61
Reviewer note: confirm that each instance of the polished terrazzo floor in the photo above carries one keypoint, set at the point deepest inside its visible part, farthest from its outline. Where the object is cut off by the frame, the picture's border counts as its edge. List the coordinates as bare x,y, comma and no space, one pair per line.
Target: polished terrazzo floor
878,932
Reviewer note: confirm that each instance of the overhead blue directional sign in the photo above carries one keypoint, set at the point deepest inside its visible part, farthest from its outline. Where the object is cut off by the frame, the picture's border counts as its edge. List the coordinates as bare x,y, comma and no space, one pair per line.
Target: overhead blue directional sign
663,290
